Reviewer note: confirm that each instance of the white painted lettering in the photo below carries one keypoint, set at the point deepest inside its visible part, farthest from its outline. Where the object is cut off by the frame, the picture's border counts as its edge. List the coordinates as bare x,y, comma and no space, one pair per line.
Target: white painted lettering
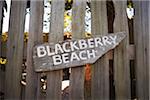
65,47
81,55
113,39
73,46
106,40
91,43
98,42
57,59
49,51
82,44
58,49
91,53
74,56
41,52
65,58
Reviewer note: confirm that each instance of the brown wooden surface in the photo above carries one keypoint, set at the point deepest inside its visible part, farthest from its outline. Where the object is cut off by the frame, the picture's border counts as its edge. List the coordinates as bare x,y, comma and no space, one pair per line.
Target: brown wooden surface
141,45
100,70
15,51
78,30
100,83
148,45
35,36
131,52
54,78
121,58
46,63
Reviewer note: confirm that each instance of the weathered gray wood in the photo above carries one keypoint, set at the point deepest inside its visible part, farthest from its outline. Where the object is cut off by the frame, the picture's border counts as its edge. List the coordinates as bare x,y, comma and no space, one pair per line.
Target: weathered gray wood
148,45
35,36
15,51
100,70
131,52
141,48
121,58
47,62
78,30
54,78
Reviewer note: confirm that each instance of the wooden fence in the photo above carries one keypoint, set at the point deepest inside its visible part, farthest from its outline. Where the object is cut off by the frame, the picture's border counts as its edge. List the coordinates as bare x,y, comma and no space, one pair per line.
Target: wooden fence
121,74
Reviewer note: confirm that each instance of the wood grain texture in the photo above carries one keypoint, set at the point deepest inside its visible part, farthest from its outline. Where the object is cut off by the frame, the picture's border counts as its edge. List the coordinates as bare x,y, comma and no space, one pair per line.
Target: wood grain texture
15,51
141,48
35,37
121,56
47,63
148,45
78,30
54,78
100,70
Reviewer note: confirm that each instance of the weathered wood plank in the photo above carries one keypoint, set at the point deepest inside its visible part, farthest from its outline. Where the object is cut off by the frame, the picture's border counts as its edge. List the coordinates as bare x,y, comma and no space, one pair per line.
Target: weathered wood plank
131,52
15,51
141,48
54,78
100,70
121,58
78,30
35,36
86,51
148,36
2,80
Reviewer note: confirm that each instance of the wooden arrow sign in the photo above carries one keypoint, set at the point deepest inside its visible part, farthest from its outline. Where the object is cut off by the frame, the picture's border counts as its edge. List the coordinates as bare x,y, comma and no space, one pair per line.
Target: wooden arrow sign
72,53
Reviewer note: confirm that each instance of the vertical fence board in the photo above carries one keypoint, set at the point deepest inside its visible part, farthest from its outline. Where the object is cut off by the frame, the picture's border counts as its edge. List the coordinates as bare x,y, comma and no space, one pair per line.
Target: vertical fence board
35,36
54,78
121,60
100,70
78,30
148,45
141,30
15,51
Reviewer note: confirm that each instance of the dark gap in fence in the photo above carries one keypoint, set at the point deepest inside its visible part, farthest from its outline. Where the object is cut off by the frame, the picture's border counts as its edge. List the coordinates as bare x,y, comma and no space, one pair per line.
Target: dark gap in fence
66,74
43,84
110,18
133,79
3,6
131,31
23,78
130,23
111,81
67,34
110,15
24,60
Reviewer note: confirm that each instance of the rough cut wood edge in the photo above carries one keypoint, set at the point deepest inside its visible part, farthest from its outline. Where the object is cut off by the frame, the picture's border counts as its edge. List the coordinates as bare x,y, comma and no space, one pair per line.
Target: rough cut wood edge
15,51
35,36
78,30
54,79
141,39
100,70
121,57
